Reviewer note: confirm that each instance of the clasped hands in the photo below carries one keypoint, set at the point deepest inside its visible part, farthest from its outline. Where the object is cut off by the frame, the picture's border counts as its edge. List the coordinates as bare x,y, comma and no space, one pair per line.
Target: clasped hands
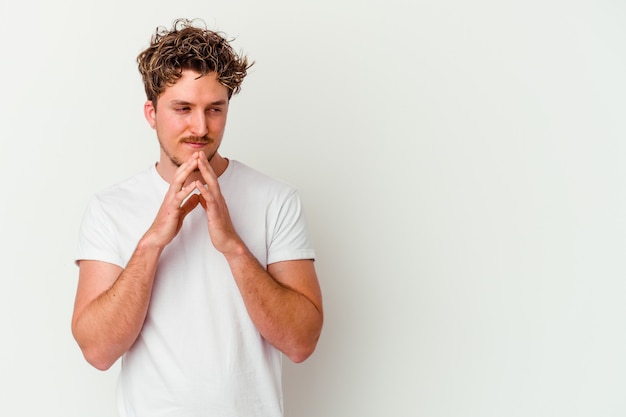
180,200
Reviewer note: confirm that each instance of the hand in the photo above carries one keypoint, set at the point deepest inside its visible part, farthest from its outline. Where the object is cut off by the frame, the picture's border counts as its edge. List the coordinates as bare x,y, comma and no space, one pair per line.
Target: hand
221,229
170,217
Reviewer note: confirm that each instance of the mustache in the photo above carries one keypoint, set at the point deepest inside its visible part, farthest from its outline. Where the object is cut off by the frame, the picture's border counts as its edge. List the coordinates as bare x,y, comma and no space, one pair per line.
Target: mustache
198,139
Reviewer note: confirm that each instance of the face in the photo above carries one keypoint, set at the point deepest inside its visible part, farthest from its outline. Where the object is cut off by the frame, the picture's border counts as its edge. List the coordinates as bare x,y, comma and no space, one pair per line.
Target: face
190,116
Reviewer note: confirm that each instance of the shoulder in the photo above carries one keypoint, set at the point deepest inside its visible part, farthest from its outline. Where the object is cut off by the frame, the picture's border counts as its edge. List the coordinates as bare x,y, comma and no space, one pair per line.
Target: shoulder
242,176
136,190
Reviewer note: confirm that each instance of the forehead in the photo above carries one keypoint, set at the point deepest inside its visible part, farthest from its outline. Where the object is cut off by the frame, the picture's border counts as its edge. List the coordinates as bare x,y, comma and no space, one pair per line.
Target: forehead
193,87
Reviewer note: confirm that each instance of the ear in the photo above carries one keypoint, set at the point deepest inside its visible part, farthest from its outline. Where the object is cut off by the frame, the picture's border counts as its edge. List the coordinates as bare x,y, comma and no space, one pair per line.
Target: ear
149,113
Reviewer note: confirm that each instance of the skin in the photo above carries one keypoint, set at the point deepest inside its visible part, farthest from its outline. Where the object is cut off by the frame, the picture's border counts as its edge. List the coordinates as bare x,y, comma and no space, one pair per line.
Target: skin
111,303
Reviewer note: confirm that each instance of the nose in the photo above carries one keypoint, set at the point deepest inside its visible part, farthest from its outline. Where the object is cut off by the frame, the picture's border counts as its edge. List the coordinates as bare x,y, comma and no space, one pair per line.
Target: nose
198,124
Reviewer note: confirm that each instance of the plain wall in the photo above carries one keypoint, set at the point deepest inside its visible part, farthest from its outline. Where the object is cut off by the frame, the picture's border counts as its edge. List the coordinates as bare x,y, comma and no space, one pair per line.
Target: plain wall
462,167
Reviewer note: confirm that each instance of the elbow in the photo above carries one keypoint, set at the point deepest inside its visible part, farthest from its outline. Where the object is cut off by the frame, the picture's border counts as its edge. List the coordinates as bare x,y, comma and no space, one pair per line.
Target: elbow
303,350
94,355
98,361
300,356
97,358
302,347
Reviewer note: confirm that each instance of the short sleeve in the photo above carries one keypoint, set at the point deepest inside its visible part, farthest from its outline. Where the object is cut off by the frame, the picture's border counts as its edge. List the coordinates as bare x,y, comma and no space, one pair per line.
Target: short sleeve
290,239
97,238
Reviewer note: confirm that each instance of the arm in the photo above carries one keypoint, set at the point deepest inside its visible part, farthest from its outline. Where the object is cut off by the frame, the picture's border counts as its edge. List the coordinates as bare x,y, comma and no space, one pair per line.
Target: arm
284,302
111,303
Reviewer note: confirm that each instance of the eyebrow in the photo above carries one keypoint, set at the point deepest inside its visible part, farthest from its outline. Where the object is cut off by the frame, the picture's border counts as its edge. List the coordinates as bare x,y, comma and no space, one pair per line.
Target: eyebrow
186,103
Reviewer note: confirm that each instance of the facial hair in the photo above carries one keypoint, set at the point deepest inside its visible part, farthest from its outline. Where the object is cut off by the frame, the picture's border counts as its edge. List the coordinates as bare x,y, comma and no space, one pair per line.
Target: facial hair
195,139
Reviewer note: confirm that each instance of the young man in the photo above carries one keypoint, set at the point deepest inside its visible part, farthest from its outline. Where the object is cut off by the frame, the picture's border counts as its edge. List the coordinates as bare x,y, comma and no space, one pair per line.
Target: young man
198,272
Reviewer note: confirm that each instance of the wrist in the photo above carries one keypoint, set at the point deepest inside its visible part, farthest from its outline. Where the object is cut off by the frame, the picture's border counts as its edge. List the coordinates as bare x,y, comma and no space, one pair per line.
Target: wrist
149,243
236,250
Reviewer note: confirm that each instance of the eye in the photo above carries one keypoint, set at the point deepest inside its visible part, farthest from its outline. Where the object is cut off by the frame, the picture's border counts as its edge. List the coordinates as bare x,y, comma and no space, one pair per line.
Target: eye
215,110
183,109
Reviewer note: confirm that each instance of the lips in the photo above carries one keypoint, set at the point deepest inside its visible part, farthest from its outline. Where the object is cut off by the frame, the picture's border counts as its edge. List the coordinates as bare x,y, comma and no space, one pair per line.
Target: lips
196,145
197,141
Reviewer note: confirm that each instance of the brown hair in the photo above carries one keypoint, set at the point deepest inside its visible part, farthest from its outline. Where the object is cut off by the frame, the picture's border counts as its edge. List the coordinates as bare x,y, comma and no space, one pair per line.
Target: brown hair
186,46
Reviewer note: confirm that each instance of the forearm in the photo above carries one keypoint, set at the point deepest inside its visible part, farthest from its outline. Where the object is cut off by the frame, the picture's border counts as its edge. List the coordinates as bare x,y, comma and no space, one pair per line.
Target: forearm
288,319
109,325
111,304
284,302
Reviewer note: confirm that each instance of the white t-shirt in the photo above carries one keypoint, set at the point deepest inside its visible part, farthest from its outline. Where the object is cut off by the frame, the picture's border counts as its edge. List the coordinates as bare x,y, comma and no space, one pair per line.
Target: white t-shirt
198,354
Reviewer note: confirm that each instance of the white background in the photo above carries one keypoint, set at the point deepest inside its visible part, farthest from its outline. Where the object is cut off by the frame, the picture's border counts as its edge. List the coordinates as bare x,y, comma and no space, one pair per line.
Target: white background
462,166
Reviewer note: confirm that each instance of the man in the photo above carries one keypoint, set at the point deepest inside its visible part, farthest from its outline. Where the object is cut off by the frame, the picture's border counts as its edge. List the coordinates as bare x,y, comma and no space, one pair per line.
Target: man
198,272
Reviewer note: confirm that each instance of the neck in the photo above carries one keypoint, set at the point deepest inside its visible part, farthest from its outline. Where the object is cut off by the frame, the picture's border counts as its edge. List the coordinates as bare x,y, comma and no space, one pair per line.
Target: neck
167,169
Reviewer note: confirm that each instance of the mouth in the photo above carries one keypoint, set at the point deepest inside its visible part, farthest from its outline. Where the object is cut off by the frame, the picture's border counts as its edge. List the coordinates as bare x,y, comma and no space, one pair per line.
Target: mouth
197,142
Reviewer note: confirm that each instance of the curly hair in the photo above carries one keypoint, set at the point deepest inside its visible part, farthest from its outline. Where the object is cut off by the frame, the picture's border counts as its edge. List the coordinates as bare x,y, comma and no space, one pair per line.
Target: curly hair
186,46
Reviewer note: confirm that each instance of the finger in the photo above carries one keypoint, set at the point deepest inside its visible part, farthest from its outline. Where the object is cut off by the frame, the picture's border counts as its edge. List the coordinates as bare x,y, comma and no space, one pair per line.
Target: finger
204,194
207,172
183,172
186,190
